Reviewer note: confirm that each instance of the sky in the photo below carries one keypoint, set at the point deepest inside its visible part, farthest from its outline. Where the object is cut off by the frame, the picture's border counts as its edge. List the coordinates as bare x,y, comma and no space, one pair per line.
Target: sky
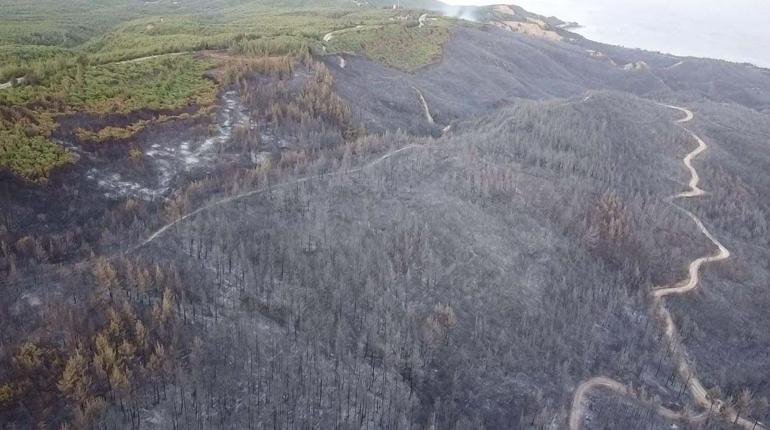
735,30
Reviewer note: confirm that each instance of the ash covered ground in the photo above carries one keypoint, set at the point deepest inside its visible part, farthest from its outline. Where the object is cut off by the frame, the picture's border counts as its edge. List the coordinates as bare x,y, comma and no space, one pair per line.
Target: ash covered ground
361,267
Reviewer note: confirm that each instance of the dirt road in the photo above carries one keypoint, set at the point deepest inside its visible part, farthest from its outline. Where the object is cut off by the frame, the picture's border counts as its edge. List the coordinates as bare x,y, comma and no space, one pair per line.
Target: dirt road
577,412
612,385
10,83
158,233
695,387
149,57
675,65
425,108
422,20
330,35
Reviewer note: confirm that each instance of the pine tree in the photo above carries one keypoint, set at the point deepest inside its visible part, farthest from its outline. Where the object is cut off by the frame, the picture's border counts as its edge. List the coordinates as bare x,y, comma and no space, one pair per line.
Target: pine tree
75,383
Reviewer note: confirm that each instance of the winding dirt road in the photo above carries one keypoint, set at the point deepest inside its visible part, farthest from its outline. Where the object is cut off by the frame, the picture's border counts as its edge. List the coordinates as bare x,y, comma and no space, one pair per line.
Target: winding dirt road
577,412
695,387
617,387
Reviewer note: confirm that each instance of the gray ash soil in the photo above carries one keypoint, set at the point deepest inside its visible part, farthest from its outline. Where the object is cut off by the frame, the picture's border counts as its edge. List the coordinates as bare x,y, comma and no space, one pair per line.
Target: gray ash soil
726,319
166,159
104,175
483,69
416,277
485,221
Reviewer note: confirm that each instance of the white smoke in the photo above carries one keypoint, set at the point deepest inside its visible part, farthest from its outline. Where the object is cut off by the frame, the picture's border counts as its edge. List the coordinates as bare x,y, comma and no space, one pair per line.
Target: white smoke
469,13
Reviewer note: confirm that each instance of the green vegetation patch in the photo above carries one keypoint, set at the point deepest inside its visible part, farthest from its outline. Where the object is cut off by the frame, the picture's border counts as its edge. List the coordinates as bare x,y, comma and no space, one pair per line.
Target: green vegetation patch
32,157
400,44
121,56
16,60
166,82
163,83
158,84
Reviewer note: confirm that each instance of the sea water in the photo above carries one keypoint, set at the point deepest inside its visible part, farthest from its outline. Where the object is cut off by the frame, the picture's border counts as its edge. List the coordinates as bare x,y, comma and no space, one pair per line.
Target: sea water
738,30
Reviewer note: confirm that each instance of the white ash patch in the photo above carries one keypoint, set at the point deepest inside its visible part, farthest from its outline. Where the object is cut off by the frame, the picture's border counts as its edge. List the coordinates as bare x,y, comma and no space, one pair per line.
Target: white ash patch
169,159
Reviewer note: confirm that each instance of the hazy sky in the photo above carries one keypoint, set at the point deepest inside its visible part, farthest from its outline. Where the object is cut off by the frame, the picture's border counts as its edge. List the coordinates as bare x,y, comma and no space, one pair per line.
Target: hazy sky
736,30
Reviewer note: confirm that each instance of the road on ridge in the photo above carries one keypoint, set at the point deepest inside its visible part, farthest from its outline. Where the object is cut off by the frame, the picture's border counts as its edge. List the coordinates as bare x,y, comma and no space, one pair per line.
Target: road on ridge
160,231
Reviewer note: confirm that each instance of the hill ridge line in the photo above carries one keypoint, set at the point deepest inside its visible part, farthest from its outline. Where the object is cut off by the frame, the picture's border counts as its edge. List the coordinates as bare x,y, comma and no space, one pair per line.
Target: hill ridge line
233,198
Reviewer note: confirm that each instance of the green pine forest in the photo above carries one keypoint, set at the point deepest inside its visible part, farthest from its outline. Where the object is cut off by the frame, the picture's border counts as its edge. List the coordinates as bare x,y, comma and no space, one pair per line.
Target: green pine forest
120,56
